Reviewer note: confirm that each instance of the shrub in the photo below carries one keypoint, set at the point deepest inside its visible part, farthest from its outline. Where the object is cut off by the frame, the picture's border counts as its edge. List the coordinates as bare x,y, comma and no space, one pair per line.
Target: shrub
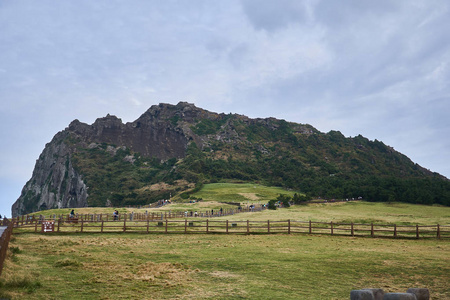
272,204
184,196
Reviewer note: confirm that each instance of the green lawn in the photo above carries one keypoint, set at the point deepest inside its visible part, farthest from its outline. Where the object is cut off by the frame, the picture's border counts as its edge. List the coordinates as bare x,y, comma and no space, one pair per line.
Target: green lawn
357,212
246,193
138,266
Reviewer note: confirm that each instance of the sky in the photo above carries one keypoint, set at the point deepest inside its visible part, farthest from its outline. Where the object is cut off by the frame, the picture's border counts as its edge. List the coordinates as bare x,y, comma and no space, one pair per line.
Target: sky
376,68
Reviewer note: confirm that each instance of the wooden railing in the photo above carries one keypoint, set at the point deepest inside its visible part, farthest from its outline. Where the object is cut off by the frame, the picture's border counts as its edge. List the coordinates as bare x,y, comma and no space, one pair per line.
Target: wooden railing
4,240
32,219
198,225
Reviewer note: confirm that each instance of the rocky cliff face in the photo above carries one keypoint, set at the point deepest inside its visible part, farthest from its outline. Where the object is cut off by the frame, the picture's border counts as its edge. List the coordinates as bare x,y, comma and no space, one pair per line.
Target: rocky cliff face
56,184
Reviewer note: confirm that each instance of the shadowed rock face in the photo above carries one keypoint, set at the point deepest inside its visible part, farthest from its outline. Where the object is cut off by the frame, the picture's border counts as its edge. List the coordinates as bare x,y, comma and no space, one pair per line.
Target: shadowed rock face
54,183
152,135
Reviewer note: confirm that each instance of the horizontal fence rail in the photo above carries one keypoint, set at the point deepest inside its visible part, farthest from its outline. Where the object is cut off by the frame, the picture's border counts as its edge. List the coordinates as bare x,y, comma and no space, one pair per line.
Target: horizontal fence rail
32,219
199,225
5,236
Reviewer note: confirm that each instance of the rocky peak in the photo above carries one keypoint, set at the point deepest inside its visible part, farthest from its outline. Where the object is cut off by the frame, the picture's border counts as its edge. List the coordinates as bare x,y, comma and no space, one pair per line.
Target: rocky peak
110,121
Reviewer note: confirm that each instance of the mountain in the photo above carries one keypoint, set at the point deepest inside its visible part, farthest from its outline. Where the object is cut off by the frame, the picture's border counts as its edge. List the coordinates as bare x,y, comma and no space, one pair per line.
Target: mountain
174,149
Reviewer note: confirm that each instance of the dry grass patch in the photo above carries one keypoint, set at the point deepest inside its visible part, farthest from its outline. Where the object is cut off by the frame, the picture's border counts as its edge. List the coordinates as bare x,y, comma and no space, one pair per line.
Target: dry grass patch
159,273
250,196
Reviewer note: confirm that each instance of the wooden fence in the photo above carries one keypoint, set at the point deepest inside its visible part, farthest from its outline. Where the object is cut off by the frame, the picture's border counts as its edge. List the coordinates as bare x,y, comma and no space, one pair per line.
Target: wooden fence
32,219
211,226
4,240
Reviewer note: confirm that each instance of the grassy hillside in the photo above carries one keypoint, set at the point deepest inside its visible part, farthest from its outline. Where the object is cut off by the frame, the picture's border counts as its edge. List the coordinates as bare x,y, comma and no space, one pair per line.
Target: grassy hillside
240,193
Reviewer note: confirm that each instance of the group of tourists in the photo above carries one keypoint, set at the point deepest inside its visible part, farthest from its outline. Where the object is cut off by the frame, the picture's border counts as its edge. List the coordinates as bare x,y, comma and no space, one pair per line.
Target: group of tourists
191,213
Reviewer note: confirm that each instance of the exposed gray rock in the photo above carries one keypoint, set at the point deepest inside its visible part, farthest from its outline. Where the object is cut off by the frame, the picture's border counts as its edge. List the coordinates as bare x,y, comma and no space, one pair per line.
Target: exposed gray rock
421,293
377,293
361,295
399,296
129,158
54,183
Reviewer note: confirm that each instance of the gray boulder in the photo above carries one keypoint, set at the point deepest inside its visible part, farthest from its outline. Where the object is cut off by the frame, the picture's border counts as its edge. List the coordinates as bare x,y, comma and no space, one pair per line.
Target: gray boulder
421,294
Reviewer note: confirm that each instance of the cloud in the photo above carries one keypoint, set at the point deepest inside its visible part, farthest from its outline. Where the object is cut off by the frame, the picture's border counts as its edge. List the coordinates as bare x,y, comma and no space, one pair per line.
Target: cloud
379,68
276,15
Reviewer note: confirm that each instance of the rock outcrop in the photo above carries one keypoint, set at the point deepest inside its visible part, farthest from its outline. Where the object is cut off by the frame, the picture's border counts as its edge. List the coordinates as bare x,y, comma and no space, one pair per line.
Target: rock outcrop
54,183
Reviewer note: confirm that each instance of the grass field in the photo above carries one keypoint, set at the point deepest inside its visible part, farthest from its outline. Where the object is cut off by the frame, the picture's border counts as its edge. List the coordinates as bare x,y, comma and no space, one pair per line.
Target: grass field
133,266
201,266
357,212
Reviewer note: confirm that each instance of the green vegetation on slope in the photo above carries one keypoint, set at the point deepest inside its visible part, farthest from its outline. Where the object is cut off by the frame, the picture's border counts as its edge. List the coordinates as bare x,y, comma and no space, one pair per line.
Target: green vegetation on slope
112,177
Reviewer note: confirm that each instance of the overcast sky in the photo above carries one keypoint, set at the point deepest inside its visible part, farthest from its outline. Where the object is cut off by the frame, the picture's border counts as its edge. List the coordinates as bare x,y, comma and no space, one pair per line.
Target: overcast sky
376,68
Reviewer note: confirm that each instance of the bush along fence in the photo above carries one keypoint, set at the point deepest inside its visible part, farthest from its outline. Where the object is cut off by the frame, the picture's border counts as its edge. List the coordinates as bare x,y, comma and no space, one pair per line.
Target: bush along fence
198,225
6,228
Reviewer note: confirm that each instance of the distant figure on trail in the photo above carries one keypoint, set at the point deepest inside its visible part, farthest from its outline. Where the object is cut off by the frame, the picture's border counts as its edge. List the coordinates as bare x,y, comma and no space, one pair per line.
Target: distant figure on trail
115,215
72,214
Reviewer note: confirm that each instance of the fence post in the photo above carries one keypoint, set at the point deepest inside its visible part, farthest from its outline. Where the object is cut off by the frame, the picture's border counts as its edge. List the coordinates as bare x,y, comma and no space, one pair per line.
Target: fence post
124,222
371,230
35,226
82,224
102,226
289,226
59,221
207,226
417,231
185,226
227,226
148,224
331,223
438,232
395,230
268,226
166,227
248,227
353,232
310,228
